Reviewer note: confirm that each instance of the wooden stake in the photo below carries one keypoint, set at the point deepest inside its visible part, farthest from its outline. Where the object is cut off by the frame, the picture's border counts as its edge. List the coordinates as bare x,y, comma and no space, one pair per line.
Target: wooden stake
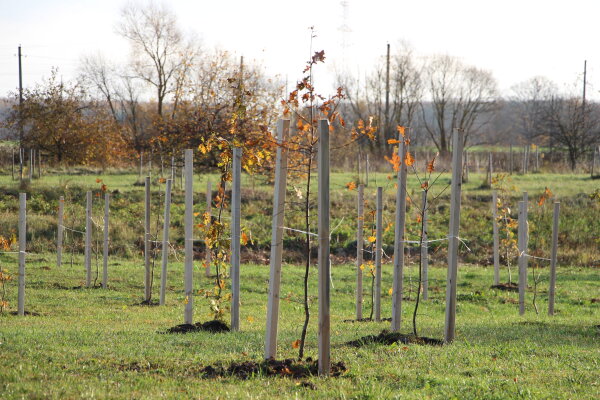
323,254
105,243
490,169
88,239
378,252
397,287
189,232
59,234
147,244
510,161
359,251
283,127
165,242
457,148
522,245
235,238
22,249
553,259
425,249
208,257
496,237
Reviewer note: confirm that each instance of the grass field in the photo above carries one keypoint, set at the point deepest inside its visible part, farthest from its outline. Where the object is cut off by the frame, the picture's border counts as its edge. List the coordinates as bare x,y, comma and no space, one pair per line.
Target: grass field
94,343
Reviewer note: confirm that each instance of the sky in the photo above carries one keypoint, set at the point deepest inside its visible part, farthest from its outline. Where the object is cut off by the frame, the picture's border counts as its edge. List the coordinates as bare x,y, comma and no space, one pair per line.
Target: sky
514,39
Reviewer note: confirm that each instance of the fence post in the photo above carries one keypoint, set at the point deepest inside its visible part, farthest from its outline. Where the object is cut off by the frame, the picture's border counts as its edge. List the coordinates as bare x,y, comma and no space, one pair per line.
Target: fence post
105,244
457,148
22,249
522,244
397,287
283,127
490,169
208,256
359,251
425,249
189,235
378,247
235,238
496,237
553,259
30,164
165,242
510,161
147,245
88,239
59,234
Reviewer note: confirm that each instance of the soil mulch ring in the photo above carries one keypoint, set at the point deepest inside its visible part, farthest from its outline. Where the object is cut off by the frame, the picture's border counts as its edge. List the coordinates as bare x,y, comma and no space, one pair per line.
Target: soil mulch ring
386,337
509,287
368,320
284,368
213,326
147,303
29,313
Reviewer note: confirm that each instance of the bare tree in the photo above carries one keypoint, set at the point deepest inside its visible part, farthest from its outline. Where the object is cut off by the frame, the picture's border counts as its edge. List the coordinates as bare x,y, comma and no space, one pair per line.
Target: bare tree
160,53
529,102
460,97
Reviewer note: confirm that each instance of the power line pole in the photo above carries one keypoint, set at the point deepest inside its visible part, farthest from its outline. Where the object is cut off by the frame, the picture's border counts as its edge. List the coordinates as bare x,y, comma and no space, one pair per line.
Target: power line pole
20,112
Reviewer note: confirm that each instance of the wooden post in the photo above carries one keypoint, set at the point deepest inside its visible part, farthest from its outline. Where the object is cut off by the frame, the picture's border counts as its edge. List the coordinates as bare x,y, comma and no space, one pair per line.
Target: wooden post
378,252
235,237
367,169
359,251
141,163
496,237
12,169
165,242
537,159
425,250
172,168
522,245
457,147
593,162
88,239
147,244
466,168
490,169
59,234
524,168
22,249
323,254
30,164
189,238
105,243
283,127
553,259
208,256
397,286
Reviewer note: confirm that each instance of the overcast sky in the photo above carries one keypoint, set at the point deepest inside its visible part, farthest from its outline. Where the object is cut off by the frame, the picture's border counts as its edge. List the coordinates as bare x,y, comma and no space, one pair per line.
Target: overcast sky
515,39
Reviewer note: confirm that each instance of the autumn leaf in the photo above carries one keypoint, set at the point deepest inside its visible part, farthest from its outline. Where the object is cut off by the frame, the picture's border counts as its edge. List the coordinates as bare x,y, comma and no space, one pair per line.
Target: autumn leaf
401,130
250,319
244,239
362,267
371,239
409,159
351,185
431,165
391,291
425,185
393,141
296,344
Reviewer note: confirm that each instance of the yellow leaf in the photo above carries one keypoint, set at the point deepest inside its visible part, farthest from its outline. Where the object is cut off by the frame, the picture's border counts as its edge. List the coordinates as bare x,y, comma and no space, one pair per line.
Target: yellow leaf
187,300
371,239
362,267
391,291
250,319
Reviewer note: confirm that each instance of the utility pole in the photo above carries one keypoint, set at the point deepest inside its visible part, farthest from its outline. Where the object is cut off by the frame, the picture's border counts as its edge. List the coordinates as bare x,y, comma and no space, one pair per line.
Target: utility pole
20,113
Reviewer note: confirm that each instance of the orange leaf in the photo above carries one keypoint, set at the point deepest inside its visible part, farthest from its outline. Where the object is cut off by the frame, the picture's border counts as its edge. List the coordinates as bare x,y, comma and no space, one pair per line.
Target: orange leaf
296,344
351,185
393,141
244,239
402,130
409,159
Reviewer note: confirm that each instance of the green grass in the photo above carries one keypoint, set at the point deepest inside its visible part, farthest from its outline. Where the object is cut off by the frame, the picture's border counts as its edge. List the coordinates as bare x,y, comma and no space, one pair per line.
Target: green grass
95,343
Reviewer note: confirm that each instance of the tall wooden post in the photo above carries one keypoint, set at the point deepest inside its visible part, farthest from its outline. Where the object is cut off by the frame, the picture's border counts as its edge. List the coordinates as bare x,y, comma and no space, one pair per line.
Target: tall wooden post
553,259
88,239
323,254
359,251
510,160
496,237
208,256
59,233
378,252
283,127
425,249
165,242
523,235
457,148
398,286
105,242
490,169
235,237
147,244
189,238
22,249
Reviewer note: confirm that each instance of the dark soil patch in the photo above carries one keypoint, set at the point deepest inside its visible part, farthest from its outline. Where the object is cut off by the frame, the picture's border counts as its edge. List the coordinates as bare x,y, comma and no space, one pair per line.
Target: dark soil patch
386,337
509,287
29,313
147,303
595,300
367,320
213,326
284,368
